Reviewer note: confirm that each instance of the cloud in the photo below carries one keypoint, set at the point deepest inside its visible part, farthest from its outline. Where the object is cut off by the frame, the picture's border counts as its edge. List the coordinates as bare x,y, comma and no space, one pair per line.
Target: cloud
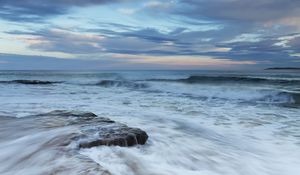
294,43
180,43
189,61
241,10
4,62
150,7
261,31
59,40
36,11
30,62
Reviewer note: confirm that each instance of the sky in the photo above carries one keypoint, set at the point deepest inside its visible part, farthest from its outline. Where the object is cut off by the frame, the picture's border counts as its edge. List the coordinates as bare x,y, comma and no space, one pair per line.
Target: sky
149,34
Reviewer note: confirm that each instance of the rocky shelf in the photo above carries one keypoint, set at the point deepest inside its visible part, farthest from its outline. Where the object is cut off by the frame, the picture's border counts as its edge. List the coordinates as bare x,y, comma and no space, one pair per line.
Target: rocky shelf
91,130
95,131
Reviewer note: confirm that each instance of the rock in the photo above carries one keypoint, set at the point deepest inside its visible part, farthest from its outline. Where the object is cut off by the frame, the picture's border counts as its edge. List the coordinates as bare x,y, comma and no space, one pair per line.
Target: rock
120,136
55,139
94,130
33,82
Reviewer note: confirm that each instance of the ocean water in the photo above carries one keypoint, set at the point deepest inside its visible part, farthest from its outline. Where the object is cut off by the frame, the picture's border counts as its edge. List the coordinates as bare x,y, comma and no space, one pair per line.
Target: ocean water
198,122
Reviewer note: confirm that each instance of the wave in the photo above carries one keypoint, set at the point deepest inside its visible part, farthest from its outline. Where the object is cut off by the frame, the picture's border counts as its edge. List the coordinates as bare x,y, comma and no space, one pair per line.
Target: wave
30,82
230,94
281,98
263,97
267,97
295,97
122,83
195,79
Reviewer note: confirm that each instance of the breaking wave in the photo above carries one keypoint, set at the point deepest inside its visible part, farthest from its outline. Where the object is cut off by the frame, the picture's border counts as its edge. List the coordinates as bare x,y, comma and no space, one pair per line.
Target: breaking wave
228,93
231,79
280,98
266,97
122,83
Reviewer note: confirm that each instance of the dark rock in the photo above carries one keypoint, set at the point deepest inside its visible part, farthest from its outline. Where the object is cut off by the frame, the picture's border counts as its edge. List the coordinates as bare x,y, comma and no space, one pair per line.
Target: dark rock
94,130
121,136
30,82
33,82
59,135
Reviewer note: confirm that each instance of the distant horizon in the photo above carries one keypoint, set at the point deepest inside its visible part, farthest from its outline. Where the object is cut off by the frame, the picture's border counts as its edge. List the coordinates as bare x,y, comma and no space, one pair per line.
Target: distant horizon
225,70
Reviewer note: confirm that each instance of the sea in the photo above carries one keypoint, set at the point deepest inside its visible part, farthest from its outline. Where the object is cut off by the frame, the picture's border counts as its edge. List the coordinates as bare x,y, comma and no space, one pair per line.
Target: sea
198,122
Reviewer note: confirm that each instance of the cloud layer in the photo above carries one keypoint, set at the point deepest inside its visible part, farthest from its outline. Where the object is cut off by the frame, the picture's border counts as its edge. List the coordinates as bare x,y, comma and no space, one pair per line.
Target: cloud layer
264,32
38,10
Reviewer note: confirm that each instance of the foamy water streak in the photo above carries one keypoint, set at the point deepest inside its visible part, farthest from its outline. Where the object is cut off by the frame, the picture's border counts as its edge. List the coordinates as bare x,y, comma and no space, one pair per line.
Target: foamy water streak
211,127
38,147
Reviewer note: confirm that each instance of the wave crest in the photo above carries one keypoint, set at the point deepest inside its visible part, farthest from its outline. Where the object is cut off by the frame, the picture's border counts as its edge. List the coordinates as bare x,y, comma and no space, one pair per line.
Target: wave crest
196,79
122,83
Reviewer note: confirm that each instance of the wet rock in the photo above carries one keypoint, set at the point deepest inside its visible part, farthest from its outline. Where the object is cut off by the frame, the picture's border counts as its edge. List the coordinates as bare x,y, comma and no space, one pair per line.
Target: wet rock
49,143
30,82
94,130
60,118
33,82
117,136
